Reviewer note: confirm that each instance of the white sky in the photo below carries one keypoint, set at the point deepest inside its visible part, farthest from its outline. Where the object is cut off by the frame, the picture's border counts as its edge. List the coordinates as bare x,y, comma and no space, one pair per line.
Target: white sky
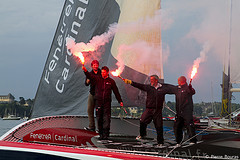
28,26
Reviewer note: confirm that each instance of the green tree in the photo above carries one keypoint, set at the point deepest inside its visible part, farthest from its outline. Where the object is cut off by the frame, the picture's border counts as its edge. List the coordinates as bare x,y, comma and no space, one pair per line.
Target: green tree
22,101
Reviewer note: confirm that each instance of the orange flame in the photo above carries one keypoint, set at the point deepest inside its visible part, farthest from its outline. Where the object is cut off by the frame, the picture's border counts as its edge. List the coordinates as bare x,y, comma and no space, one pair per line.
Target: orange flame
80,55
115,73
194,71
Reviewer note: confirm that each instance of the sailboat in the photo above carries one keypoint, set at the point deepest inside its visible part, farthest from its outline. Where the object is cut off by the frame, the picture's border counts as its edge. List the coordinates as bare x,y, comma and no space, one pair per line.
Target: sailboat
59,112
229,119
55,129
8,116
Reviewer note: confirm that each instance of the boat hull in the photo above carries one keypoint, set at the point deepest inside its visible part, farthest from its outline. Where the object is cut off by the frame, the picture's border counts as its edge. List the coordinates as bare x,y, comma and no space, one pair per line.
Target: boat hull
68,132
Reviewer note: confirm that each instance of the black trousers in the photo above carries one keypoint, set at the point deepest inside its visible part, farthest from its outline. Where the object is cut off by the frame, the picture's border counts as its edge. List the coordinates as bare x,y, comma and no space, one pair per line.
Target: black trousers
180,123
103,112
146,118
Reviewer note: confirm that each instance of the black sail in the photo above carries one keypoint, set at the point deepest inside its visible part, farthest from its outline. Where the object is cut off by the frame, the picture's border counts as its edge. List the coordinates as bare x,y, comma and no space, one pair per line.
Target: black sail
61,90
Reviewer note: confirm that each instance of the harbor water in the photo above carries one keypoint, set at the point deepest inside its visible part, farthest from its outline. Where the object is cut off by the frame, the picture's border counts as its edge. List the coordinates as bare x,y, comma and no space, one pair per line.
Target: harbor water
6,125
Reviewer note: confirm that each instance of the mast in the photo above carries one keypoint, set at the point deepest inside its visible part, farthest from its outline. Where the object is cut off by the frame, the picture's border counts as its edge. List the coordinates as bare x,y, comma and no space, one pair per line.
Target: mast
226,86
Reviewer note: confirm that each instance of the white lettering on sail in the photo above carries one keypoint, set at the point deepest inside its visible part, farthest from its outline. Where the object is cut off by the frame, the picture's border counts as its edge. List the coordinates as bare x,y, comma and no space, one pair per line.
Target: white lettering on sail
55,56
71,1
84,1
46,77
64,24
60,40
81,12
66,61
75,24
69,25
68,10
58,89
52,65
69,53
65,73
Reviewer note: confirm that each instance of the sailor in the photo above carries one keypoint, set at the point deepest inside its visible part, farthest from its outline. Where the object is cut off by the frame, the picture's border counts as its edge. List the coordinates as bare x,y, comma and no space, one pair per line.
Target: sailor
91,101
154,105
184,109
103,94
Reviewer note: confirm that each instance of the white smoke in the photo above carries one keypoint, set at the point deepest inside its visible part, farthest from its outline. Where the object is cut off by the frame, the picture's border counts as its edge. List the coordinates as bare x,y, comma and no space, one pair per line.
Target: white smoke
142,24
149,54
202,57
140,47
94,43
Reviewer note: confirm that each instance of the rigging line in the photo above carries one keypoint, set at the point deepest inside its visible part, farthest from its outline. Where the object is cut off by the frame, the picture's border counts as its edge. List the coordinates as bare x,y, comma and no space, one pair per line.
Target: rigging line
183,142
150,129
218,124
199,133
165,105
167,154
228,115
229,50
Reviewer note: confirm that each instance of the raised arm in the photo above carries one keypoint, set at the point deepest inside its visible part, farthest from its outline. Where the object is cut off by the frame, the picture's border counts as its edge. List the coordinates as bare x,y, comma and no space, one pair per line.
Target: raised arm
116,92
137,85
169,89
88,75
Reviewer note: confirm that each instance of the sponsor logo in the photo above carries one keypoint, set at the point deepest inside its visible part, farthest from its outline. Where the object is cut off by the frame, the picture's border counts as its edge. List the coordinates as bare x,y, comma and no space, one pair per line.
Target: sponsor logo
59,57
61,136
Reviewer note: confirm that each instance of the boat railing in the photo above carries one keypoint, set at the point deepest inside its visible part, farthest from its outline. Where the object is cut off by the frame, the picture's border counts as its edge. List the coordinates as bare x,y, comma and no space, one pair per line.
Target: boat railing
18,132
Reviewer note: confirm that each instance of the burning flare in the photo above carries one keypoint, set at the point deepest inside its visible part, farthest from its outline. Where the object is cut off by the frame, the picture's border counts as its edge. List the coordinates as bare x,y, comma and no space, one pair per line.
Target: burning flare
202,58
117,73
80,55
194,71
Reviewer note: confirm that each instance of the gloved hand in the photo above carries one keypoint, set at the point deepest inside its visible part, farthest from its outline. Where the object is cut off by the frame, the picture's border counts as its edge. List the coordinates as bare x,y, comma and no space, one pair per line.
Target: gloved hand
127,81
190,86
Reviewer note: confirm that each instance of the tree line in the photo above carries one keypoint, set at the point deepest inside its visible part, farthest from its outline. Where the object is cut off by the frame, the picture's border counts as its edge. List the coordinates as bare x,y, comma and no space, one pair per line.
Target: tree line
19,108
202,109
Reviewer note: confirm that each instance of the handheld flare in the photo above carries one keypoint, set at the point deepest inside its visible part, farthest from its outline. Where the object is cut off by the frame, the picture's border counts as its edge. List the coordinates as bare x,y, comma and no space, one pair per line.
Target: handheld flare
121,77
194,72
190,81
117,74
81,57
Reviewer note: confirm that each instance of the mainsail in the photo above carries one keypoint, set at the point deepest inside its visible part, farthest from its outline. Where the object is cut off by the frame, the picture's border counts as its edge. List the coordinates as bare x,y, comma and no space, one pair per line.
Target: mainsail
61,90
231,74
234,45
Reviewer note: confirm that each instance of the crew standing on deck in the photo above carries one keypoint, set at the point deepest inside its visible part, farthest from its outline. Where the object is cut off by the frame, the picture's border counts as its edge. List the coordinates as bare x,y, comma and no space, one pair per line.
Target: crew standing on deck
154,106
91,101
184,109
103,95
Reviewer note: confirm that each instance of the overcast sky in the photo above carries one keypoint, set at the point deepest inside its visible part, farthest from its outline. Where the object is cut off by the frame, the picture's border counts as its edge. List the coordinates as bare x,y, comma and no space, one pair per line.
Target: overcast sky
28,26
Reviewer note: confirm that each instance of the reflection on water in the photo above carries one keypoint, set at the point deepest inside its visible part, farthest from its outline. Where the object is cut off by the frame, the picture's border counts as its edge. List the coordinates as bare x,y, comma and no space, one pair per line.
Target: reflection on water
6,125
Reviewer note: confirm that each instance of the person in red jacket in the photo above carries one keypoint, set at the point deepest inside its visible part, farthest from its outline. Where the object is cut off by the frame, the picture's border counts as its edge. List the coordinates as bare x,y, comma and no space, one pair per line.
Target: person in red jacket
104,85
